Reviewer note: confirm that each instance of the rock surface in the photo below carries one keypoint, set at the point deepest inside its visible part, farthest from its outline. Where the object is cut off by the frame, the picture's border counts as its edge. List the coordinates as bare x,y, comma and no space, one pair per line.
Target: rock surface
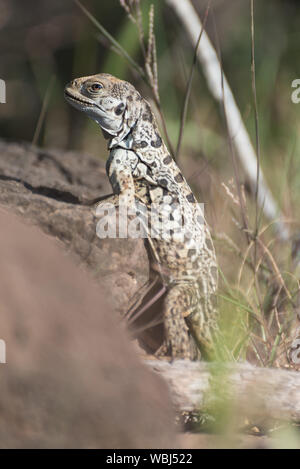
72,378
47,188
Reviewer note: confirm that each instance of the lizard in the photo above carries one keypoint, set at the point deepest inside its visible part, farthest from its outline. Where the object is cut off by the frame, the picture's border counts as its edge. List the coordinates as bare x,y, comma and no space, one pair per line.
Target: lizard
141,170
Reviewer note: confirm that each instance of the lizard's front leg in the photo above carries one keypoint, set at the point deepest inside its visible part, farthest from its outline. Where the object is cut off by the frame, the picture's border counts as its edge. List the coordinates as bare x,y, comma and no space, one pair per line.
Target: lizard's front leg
119,169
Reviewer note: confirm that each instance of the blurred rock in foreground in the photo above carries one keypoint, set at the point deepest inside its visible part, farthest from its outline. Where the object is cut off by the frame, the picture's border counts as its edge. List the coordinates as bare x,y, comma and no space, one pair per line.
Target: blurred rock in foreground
72,378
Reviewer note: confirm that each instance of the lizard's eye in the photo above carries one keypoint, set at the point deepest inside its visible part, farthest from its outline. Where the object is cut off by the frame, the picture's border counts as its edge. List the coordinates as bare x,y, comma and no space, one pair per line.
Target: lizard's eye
96,87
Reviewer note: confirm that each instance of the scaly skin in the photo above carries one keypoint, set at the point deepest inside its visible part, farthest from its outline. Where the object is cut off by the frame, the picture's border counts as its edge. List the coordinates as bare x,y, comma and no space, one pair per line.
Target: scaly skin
141,170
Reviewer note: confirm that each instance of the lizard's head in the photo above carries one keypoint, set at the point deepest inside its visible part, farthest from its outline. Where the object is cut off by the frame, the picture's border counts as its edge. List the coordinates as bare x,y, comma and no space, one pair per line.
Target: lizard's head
114,104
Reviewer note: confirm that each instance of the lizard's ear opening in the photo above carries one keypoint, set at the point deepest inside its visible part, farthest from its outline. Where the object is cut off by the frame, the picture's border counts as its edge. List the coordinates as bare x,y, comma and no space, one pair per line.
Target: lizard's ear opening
129,112
111,120
120,109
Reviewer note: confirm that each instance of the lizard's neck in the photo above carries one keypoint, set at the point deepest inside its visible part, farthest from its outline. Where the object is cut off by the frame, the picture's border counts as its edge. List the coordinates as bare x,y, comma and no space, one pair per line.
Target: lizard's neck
125,142
142,135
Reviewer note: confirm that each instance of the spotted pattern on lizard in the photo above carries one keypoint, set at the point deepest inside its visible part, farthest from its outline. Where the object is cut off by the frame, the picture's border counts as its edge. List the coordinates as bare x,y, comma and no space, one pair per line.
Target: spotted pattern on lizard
141,170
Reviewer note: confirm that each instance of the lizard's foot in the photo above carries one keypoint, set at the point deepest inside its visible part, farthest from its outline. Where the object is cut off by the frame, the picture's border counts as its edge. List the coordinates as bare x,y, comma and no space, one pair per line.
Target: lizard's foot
189,352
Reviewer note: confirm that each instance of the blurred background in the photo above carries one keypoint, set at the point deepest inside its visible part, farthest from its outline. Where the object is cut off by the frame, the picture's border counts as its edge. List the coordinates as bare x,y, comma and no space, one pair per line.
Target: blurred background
46,44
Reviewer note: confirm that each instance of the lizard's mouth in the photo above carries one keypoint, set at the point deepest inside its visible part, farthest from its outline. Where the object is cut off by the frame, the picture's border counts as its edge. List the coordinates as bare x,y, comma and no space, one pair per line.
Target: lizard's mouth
74,98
